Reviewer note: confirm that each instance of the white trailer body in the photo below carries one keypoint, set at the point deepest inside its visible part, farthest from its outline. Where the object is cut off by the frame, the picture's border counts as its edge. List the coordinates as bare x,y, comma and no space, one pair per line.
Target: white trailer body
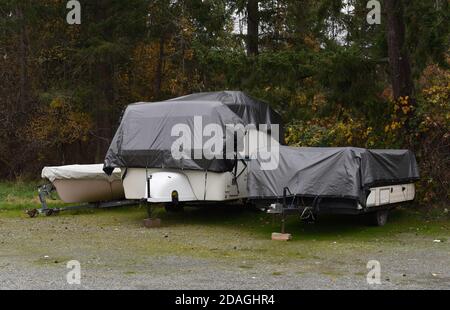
157,185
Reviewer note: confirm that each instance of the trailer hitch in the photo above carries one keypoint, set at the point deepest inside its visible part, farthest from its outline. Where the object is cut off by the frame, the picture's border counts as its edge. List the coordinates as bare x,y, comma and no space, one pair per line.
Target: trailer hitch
285,208
46,190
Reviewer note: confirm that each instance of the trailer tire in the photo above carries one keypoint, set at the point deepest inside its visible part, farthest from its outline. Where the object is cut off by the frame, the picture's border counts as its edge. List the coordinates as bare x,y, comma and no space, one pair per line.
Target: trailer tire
173,208
380,218
251,206
32,213
49,212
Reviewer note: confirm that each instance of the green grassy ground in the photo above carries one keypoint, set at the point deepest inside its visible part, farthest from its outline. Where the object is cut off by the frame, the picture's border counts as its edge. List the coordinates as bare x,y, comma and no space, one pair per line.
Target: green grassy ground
228,242
15,198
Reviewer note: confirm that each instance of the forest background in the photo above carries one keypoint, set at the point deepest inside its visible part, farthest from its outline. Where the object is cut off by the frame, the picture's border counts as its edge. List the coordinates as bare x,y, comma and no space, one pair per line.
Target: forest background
337,77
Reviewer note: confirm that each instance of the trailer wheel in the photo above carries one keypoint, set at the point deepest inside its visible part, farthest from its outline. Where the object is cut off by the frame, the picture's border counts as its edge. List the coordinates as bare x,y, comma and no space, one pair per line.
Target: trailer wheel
380,218
32,213
173,207
49,212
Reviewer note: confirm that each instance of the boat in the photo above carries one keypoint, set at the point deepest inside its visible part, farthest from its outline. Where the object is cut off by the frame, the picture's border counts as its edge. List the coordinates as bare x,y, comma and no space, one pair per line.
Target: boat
84,183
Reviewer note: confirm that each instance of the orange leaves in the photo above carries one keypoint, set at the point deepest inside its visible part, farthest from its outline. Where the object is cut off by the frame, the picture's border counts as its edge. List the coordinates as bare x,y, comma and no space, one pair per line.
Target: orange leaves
402,110
59,123
330,131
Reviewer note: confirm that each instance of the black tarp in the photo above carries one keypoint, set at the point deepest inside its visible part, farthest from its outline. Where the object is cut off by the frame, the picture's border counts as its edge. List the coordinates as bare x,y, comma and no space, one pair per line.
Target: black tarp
331,172
144,137
248,109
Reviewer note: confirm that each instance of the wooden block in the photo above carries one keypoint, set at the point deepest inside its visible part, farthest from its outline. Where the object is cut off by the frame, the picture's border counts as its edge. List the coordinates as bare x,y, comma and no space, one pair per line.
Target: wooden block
281,237
152,223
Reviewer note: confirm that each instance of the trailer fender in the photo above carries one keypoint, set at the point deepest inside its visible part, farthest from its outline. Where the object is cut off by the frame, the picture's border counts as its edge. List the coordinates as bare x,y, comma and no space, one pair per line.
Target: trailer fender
163,184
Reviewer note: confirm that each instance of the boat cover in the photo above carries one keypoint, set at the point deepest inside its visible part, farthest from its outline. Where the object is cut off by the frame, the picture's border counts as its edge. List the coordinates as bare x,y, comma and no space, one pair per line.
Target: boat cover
79,172
144,138
331,172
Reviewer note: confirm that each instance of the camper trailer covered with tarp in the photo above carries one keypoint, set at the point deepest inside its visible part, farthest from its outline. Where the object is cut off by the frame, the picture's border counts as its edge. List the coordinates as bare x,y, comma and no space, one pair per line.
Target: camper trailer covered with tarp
147,141
340,180
145,136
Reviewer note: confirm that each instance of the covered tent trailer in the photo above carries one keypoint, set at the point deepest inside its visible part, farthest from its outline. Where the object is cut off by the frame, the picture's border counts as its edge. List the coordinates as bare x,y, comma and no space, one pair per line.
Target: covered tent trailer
335,180
157,185
143,147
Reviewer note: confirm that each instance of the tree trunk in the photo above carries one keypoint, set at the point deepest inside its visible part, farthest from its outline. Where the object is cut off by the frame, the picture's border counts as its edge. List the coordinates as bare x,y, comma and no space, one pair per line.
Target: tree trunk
252,27
105,109
24,84
402,83
159,68
104,75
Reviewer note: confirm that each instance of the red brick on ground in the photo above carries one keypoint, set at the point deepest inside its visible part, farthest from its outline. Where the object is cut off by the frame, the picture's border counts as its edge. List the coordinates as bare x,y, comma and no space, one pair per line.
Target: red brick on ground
152,223
281,237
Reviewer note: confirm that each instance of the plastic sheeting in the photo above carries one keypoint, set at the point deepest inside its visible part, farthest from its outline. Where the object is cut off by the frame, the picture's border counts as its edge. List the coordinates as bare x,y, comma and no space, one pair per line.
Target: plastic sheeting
248,109
77,172
331,172
144,138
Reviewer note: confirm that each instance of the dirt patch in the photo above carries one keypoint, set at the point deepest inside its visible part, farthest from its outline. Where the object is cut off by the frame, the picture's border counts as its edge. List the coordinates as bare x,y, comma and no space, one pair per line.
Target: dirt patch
219,249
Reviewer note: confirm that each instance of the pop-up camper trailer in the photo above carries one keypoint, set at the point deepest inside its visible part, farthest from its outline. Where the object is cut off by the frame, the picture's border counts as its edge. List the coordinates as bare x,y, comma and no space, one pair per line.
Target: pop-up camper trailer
143,147
348,180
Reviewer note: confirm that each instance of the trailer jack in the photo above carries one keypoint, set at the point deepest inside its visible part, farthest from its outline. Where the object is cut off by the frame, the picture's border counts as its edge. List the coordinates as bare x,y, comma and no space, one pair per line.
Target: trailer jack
283,209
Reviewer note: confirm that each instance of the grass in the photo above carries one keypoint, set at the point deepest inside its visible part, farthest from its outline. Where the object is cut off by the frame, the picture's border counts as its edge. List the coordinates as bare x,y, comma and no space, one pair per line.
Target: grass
231,236
17,197
18,194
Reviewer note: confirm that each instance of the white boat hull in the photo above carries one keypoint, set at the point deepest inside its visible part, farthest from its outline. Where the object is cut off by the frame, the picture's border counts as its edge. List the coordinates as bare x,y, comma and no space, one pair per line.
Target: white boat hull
81,191
84,183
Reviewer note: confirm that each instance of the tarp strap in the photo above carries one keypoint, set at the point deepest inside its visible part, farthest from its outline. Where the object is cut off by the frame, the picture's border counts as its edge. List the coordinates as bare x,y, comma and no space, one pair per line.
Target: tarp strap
235,167
316,204
286,190
245,167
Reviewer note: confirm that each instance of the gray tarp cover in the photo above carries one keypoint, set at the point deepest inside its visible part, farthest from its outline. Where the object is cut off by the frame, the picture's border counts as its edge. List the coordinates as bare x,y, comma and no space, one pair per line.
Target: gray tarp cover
331,172
144,139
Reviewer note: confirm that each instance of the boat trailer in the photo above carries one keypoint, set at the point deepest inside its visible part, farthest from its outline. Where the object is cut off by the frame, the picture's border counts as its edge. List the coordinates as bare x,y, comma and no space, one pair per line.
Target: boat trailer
45,191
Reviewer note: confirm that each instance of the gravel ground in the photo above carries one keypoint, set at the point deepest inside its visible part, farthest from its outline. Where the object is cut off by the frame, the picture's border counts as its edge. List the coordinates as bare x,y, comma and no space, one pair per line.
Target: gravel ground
116,252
